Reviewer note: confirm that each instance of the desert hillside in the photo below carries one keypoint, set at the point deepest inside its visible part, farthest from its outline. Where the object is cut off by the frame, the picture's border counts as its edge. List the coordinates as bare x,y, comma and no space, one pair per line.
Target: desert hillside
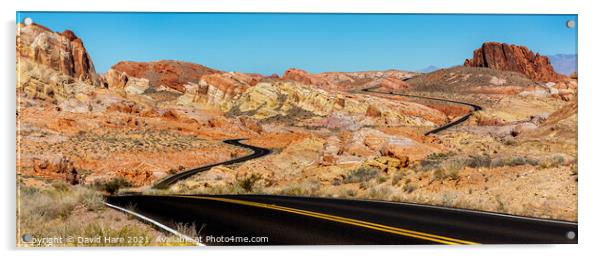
140,122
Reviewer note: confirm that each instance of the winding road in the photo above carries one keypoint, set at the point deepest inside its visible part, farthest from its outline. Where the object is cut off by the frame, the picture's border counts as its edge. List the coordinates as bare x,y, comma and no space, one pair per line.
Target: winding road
438,129
257,152
287,220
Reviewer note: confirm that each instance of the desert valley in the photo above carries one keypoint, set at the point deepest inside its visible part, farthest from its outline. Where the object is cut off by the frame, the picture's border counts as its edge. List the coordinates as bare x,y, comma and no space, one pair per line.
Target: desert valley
350,135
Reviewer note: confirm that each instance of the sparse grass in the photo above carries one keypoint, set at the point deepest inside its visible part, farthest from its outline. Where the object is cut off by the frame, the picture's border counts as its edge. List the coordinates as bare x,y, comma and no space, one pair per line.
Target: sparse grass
396,178
114,185
347,193
189,230
381,192
551,162
57,212
362,174
514,161
311,188
409,187
478,161
450,171
434,160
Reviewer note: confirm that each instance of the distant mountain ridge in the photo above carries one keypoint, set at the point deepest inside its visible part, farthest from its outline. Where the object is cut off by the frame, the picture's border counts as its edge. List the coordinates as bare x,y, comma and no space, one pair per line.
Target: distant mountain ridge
429,69
564,64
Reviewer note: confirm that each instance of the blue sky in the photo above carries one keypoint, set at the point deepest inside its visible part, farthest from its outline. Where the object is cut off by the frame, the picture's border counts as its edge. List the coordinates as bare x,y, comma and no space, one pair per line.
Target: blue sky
271,43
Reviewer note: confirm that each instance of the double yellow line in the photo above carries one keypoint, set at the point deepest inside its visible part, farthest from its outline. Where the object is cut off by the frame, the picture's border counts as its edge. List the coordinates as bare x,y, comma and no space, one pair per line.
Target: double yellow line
355,222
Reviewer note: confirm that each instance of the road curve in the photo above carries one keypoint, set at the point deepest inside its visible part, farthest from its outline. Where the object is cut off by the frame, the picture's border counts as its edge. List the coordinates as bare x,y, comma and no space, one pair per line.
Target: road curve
287,220
257,152
438,129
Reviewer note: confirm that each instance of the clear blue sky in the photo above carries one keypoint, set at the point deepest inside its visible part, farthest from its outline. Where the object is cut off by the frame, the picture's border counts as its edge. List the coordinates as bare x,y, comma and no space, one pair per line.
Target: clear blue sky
271,43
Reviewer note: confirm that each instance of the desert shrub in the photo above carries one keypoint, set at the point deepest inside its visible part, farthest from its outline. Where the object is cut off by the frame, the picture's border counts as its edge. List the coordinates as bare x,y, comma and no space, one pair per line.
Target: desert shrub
58,203
362,174
478,161
311,188
248,182
439,174
433,160
347,193
550,162
514,161
450,171
453,169
91,199
448,199
186,229
382,192
396,178
409,187
115,184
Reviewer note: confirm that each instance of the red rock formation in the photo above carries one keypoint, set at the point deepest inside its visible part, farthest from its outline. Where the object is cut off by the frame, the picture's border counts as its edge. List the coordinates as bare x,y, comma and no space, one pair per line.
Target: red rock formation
502,56
225,86
170,73
306,78
393,83
63,52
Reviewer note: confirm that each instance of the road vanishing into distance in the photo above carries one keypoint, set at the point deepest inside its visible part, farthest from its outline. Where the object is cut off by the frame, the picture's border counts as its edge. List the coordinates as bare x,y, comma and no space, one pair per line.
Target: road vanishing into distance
438,129
287,220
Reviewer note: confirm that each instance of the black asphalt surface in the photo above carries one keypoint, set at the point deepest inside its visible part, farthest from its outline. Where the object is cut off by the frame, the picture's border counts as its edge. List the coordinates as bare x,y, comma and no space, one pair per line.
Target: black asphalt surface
257,152
227,218
285,220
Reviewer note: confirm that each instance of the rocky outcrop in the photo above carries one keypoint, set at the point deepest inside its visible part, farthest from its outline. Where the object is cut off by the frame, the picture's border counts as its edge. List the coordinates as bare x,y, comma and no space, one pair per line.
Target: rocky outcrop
306,78
44,83
168,73
389,79
502,56
345,81
290,101
217,89
63,52
59,167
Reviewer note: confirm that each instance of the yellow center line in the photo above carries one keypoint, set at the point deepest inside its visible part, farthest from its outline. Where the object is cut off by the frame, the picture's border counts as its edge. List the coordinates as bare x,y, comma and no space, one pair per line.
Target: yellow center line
355,222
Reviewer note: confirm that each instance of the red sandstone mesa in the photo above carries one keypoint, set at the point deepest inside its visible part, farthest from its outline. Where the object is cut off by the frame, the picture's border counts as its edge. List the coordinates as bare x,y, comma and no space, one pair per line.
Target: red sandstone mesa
170,73
502,56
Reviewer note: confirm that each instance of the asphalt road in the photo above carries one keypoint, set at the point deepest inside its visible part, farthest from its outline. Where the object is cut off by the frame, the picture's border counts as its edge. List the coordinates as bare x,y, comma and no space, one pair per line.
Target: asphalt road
285,220
257,152
321,221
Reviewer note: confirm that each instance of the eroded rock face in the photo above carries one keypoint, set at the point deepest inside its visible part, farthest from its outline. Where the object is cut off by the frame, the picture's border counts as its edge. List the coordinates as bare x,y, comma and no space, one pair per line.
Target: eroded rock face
63,52
60,167
217,89
306,78
344,81
502,56
169,73
389,79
